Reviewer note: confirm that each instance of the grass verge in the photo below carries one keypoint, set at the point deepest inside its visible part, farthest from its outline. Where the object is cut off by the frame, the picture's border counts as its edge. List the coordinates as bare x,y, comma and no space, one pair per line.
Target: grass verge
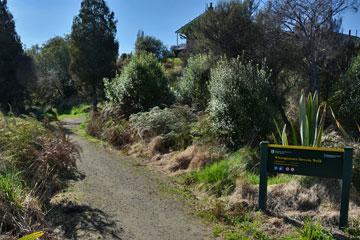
77,111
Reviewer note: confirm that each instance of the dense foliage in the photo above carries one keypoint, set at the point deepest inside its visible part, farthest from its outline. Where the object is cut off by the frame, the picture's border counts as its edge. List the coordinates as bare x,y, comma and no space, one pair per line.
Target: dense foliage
150,44
347,99
193,84
239,101
94,49
238,79
172,124
14,87
310,128
141,85
55,86
233,33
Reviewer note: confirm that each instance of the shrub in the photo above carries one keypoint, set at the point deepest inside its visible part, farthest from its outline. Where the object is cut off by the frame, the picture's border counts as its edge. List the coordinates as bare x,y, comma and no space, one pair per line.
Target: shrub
107,124
43,157
116,132
193,84
53,161
173,124
34,164
310,130
173,70
202,131
141,85
239,101
346,100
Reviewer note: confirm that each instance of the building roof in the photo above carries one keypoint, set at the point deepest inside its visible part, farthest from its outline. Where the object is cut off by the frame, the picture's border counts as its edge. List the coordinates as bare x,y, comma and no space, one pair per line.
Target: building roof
185,29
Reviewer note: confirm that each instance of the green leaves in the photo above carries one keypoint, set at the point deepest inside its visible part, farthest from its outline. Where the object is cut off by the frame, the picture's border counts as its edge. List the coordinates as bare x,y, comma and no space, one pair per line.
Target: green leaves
93,46
311,122
314,231
141,85
239,101
33,236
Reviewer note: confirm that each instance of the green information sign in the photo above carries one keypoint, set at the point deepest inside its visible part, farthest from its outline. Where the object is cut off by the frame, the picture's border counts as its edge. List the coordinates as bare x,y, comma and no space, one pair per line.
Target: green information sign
307,161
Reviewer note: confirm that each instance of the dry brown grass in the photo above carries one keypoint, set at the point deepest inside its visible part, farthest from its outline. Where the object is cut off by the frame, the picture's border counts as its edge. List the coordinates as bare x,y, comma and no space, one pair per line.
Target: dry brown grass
53,162
18,221
321,201
193,157
42,160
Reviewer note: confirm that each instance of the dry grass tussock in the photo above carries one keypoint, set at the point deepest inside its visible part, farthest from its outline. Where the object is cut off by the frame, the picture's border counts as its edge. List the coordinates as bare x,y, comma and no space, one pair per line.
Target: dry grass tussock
35,163
298,200
192,158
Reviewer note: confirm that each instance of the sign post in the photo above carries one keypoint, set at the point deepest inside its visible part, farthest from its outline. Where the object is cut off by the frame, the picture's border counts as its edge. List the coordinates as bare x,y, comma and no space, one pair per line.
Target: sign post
307,161
263,175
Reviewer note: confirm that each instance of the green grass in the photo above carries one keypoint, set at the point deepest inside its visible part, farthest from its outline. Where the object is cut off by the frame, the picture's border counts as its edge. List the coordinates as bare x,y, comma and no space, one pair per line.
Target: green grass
220,177
254,178
314,231
12,185
77,111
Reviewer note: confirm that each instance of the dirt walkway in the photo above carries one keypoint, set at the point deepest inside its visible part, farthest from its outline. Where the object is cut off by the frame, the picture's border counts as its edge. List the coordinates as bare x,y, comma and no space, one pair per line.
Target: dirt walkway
119,199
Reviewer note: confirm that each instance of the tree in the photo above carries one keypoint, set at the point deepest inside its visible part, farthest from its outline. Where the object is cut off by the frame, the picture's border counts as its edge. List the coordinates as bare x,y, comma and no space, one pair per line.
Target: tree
150,44
122,61
12,90
227,29
311,21
282,54
93,47
52,60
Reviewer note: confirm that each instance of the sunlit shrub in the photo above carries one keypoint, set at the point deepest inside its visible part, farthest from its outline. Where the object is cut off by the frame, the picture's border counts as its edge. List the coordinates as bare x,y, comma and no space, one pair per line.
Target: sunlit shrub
239,101
173,124
193,84
203,132
141,85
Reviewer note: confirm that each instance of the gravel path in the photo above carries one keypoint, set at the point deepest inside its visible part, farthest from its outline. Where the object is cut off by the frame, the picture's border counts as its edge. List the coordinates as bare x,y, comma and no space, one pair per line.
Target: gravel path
121,199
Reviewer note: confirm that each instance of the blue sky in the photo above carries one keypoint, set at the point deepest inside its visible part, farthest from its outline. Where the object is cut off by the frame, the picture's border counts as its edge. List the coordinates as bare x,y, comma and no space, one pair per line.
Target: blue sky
39,20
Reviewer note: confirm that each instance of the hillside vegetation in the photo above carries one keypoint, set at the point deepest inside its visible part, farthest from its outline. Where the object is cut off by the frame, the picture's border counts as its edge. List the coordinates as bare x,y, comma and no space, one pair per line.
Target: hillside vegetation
280,71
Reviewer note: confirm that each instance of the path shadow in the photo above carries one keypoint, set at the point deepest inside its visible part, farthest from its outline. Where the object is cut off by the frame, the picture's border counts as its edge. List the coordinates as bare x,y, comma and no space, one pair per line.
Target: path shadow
83,222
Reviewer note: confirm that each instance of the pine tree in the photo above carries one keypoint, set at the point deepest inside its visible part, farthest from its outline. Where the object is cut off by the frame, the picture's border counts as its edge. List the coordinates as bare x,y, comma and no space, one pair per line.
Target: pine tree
12,92
94,49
